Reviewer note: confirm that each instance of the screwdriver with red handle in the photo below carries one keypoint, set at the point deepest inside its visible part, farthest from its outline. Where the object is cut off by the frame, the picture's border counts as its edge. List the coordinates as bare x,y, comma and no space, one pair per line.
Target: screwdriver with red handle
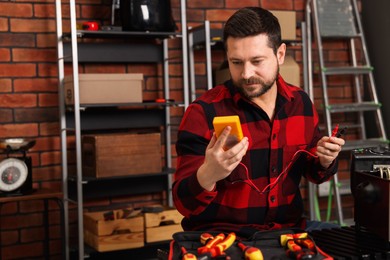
250,252
187,255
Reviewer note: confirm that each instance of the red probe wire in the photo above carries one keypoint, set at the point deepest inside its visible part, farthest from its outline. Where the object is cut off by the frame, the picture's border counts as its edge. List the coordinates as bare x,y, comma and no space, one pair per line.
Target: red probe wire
335,132
273,184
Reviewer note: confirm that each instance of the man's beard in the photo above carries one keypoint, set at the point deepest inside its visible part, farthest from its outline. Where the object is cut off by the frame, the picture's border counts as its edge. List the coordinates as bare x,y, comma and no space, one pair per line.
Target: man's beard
266,86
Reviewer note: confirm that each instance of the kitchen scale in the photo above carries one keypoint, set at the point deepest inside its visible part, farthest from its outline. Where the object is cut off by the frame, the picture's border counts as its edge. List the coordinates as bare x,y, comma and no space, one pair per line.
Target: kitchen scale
16,168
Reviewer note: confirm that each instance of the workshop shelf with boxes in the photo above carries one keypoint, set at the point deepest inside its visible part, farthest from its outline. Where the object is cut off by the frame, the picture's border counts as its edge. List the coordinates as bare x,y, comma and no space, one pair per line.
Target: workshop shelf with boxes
130,228
105,88
121,154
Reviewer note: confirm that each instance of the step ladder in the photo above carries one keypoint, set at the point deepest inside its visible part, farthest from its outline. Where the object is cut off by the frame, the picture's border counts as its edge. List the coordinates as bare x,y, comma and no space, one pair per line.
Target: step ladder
339,21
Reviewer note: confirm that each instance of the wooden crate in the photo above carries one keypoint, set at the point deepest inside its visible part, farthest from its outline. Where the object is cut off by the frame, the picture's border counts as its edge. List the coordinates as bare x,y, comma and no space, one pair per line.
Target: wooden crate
108,155
114,234
161,226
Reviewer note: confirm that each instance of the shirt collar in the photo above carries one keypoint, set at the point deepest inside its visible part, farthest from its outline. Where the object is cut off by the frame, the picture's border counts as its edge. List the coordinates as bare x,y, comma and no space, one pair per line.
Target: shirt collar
284,89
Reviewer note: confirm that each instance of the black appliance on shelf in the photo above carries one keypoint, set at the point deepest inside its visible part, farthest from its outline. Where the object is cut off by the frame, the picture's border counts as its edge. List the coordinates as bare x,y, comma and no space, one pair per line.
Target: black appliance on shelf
147,15
370,186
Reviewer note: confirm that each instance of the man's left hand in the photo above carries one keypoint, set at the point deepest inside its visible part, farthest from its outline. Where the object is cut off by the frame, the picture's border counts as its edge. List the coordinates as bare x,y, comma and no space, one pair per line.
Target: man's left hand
328,148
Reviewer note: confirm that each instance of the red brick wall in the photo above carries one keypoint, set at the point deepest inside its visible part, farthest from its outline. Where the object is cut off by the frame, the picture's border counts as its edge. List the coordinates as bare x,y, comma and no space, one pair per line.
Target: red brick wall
29,98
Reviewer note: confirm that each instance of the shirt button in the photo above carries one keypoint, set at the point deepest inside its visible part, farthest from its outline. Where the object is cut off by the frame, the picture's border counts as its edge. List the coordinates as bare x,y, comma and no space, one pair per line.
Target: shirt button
273,169
273,136
273,198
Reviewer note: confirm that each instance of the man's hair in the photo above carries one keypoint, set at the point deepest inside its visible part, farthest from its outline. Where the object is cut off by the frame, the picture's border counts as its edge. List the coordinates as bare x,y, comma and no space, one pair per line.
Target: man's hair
252,21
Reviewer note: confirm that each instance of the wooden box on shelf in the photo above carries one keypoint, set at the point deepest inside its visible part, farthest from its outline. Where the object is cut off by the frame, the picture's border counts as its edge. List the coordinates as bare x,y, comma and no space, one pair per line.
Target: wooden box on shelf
162,225
105,88
113,234
108,155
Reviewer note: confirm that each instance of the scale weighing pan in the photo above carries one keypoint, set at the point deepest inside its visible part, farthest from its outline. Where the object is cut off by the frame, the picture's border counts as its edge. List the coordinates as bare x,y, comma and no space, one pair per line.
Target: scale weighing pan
16,144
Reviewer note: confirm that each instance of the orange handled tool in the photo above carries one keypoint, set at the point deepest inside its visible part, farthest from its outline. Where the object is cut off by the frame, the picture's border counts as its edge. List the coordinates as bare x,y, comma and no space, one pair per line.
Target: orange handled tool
250,252
284,238
222,246
294,244
307,242
210,242
187,255
205,237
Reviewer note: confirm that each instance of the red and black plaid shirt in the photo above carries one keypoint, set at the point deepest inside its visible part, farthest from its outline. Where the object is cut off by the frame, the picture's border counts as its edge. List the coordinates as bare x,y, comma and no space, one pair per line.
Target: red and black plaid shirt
234,205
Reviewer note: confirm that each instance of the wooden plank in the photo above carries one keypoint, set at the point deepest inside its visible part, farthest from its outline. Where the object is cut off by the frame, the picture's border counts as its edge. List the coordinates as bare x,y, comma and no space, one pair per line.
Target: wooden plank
171,216
114,242
108,155
162,233
94,222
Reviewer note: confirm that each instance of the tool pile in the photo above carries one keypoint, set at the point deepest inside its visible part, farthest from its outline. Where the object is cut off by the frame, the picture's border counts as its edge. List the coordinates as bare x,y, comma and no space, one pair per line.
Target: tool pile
214,248
221,246
300,246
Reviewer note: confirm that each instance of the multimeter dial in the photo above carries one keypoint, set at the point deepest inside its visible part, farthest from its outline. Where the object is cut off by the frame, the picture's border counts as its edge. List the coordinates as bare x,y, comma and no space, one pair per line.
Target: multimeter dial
13,174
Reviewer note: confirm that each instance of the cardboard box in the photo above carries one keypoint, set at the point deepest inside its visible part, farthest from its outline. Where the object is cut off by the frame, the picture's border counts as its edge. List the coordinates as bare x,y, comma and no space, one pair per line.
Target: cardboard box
117,234
287,21
161,226
105,88
290,71
108,155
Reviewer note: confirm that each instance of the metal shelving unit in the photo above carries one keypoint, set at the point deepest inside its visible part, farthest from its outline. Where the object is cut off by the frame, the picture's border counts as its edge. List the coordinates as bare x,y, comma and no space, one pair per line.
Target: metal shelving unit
202,37
80,118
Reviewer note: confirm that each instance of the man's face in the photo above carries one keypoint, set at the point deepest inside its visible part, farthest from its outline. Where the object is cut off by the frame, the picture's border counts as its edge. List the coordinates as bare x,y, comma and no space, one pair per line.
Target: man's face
253,65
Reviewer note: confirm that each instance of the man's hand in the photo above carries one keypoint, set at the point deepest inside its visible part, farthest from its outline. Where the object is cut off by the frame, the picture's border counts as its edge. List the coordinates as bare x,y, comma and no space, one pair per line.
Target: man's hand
328,148
219,163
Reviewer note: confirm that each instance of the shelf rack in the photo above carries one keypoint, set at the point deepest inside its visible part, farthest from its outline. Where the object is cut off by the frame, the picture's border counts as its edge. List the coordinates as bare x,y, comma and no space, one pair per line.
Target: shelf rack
79,118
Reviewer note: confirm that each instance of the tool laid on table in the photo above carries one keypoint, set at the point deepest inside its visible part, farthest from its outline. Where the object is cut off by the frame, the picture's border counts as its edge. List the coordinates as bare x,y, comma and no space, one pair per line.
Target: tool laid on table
298,246
250,252
209,242
187,255
90,26
215,246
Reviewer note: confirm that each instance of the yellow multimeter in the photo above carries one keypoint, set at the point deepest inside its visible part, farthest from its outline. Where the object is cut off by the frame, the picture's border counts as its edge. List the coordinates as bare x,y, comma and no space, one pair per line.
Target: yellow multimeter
220,122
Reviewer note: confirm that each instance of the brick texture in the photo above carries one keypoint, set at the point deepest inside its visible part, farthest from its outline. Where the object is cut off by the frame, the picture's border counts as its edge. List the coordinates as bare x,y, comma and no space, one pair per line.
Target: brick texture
32,25
238,4
17,39
3,24
15,9
29,100
5,55
17,70
5,85
36,114
27,55
35,85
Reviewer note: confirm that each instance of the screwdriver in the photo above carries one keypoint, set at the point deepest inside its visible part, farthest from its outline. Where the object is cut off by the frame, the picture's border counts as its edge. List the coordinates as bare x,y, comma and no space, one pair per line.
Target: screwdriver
250,252
187,255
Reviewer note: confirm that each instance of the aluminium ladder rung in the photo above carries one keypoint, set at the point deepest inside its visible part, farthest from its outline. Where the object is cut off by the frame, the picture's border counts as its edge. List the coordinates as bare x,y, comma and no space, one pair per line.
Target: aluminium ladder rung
341,36
65,57
354,107
347,70
364,143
